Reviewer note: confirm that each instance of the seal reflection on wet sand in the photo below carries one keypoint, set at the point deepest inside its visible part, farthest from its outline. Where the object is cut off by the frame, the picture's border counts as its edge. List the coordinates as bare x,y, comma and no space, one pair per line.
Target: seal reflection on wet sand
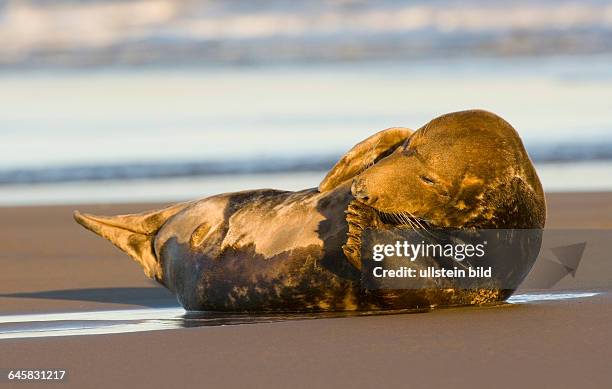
272,250
160,319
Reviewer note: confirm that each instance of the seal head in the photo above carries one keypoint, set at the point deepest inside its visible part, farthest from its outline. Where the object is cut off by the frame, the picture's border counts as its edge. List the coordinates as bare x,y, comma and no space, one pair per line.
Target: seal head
461,170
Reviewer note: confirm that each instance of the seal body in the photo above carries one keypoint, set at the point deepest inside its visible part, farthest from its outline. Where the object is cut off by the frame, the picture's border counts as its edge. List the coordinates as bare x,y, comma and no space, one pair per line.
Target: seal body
260,250
271,250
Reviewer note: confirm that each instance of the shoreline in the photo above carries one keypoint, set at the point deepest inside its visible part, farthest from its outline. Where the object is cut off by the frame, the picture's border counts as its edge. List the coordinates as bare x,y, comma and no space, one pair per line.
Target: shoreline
529,345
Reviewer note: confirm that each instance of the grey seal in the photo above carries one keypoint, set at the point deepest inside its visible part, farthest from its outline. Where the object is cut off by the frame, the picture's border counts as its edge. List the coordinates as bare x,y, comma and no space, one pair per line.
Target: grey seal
274,250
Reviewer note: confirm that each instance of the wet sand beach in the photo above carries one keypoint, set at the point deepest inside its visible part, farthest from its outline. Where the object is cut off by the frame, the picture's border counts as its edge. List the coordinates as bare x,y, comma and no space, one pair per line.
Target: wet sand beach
50,264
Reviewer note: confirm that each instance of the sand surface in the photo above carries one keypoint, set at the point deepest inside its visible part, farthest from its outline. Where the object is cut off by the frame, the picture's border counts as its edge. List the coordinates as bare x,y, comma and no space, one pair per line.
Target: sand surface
50,264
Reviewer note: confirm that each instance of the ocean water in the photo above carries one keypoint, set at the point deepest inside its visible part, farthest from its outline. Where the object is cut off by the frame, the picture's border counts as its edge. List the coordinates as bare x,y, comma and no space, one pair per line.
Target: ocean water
89,33
578,177
168,133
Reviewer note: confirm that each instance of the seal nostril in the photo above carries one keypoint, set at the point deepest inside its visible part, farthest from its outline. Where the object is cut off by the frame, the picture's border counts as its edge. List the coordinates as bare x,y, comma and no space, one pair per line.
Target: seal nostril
360,193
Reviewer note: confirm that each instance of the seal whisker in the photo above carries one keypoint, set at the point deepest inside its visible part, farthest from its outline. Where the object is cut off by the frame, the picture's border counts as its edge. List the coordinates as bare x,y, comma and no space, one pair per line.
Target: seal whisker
407,221
425,227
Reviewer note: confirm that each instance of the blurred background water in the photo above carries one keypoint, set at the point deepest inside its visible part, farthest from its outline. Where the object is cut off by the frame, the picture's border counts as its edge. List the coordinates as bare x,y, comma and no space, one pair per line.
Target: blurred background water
168,100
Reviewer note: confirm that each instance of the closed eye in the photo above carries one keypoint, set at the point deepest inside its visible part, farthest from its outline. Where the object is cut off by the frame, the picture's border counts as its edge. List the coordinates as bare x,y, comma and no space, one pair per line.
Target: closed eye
427,180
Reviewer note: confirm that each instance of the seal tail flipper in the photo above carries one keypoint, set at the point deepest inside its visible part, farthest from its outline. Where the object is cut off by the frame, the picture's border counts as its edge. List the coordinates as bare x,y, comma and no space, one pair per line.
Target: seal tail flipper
134,234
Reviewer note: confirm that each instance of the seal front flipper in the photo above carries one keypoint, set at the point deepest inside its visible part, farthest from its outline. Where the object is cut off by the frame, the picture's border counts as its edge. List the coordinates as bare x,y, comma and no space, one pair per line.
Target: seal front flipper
363,155
358,217
134,234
